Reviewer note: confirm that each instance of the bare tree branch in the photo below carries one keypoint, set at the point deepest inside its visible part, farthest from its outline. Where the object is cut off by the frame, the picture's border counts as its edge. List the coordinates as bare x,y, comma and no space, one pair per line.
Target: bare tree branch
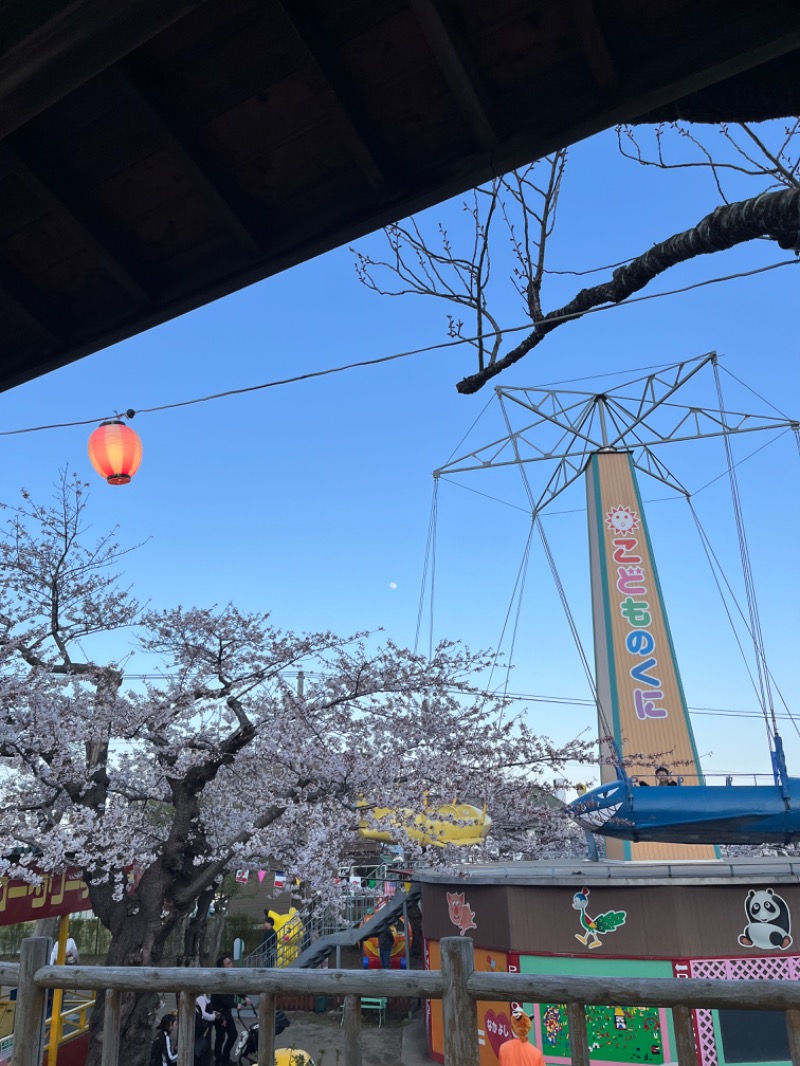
773,215
424,265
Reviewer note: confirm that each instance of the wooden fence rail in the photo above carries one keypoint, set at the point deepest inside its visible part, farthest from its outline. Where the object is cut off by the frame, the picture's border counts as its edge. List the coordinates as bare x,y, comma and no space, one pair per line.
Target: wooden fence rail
458,985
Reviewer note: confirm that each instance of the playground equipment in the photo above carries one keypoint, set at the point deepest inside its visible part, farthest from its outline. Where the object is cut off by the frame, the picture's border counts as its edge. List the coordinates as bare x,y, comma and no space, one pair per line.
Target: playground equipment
605,437
456,823
371,958
290,932
57,895
696,813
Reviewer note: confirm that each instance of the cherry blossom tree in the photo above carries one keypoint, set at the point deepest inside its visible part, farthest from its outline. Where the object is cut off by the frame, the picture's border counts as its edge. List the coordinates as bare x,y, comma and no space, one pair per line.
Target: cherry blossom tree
156,787
760,164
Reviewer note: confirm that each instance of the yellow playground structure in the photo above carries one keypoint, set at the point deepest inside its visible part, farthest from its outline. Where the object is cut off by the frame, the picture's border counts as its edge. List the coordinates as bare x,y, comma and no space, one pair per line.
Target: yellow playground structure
289,930
456,823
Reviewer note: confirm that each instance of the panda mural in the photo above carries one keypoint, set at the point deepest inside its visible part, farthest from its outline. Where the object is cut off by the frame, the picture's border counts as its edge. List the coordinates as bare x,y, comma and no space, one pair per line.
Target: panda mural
769,923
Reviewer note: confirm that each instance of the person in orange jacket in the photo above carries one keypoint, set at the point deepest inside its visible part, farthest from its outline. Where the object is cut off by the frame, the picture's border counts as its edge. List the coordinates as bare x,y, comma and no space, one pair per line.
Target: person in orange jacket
518,1051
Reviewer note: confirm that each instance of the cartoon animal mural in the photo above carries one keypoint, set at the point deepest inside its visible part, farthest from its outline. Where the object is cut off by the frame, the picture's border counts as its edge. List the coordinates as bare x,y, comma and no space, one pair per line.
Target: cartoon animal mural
461,914
608,922
769,923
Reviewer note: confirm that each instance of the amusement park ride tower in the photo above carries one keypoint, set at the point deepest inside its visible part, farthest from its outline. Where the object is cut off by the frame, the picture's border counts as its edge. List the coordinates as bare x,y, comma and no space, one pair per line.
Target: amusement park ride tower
639,690
641,707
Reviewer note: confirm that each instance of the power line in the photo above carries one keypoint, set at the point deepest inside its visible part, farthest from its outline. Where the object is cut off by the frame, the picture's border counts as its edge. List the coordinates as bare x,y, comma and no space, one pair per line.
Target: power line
527,327
517,697
579,701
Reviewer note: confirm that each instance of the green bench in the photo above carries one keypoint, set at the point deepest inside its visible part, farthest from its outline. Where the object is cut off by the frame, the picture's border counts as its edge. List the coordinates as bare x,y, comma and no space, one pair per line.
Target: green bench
373,1003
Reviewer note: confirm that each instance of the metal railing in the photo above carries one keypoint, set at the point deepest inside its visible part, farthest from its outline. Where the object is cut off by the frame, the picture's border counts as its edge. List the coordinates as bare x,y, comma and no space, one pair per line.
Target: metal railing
312,925
457,984
317,923
719,779
72,1018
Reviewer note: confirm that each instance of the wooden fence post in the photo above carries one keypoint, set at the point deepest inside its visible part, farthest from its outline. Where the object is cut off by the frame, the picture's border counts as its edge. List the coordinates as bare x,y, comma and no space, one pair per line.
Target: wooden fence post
110,1029
684,1035
266,1029
186,1028
352,1030
31,1003
578,1038
459,1008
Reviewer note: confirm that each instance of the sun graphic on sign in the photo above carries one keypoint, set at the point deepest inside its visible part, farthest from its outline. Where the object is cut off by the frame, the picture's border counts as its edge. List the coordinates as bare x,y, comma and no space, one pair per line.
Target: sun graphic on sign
622,519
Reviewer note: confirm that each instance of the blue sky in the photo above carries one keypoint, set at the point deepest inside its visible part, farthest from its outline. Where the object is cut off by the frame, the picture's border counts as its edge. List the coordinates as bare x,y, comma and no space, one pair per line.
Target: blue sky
311,500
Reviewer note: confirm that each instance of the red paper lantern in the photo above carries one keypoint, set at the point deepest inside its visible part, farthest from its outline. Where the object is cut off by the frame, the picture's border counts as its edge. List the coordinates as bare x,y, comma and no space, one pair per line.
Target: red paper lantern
115,451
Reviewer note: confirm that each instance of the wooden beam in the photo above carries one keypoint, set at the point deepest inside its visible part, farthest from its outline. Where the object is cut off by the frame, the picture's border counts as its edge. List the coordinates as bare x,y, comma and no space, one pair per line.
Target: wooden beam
197,170
754,36
29,319
772,31
425,984
765,36
79,41
316,68
26,303
769,994
63,204
464,81
593,42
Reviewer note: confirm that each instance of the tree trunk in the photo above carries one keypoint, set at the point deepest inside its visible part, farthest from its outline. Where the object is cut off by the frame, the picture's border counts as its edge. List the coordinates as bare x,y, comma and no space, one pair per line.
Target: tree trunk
139,931
46,927
210,948
138,1013
194,938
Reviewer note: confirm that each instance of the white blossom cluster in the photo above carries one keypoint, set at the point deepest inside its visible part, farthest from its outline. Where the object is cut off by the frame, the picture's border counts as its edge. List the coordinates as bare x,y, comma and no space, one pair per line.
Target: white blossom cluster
156,790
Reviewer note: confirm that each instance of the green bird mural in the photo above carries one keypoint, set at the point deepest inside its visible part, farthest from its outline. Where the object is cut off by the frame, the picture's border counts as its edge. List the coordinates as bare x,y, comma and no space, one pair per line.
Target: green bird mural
593,927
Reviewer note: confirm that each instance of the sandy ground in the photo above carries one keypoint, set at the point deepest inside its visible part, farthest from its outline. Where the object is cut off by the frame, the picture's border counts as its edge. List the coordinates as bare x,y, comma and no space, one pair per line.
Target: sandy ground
390,1044
323,1038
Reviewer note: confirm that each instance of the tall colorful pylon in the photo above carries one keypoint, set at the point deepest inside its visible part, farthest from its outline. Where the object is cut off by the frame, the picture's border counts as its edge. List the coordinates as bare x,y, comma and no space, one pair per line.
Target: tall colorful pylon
607,437
642,712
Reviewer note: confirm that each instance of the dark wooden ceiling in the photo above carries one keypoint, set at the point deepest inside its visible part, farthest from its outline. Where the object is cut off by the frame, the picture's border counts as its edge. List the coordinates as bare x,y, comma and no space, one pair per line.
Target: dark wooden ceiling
158,154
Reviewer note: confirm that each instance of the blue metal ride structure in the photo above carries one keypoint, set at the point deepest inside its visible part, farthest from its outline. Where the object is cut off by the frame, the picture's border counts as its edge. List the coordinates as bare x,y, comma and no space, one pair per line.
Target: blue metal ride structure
695,814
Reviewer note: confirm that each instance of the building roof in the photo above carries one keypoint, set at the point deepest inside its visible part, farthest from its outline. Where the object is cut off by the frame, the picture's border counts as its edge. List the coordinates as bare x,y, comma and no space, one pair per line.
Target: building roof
158,154
681,872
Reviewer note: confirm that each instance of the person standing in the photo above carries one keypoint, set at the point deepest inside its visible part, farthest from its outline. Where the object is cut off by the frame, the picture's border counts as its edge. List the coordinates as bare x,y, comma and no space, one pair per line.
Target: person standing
204,1019
269,945
164,1052
385,946
223,1004
71,955
71,958
519,1051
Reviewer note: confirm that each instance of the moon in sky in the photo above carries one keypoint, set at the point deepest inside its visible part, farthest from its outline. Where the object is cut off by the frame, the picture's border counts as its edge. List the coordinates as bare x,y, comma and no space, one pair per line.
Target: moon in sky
393,585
